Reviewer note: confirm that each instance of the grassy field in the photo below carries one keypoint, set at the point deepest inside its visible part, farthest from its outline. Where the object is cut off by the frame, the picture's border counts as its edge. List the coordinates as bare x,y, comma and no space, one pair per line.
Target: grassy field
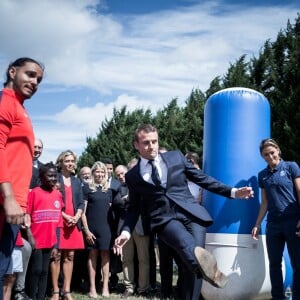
117,294
78,296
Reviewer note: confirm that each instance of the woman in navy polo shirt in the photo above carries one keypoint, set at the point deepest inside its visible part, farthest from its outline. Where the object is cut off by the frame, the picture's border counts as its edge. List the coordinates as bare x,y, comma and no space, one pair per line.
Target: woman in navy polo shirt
280,193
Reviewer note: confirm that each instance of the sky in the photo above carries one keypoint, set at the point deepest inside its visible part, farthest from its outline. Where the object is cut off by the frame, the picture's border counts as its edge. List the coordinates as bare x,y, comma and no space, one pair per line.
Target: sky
104,54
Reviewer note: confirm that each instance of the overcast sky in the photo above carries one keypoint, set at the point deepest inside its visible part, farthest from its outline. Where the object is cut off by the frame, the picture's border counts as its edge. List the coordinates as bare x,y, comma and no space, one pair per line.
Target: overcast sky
104,54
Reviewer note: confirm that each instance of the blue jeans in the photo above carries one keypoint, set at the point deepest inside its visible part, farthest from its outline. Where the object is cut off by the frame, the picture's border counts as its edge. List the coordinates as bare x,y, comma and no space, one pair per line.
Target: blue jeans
7,244
278,234
183,233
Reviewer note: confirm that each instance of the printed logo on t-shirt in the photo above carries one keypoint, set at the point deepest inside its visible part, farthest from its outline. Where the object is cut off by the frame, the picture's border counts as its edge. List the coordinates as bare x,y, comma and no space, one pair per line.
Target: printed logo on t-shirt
57,203
282,173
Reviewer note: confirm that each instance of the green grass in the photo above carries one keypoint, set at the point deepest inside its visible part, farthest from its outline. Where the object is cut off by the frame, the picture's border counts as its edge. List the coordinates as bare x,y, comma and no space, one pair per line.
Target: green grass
116,295
78,296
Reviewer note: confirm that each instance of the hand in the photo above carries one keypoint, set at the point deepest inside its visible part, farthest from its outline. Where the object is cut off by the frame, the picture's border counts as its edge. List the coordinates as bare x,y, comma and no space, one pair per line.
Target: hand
68,220
244,192
255,232
55,255
74,220
120,241
13,211
90,238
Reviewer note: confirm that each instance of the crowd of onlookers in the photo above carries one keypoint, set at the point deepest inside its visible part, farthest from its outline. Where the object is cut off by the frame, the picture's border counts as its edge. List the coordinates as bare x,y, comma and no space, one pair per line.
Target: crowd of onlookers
65,232
75,217
55,224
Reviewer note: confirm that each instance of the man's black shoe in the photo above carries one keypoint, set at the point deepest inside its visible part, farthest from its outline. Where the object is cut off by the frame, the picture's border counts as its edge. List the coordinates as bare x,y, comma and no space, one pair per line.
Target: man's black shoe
20,295
127,294
146,294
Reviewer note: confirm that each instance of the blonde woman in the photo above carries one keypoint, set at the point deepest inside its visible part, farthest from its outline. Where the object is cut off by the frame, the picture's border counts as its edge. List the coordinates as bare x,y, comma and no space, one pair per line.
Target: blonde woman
70,237
97,225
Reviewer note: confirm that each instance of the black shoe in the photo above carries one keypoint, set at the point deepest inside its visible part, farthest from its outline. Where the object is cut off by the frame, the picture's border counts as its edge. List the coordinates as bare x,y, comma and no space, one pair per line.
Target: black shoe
127,294
165,297
146,294
21,295
209,269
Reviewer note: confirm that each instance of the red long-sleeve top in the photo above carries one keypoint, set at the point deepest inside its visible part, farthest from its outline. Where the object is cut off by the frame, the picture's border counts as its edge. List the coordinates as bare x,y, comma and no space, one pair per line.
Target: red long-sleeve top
16,145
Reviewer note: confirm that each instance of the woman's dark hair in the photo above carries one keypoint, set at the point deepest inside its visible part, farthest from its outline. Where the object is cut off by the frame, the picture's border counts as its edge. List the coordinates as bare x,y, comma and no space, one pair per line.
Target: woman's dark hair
20,62
43,169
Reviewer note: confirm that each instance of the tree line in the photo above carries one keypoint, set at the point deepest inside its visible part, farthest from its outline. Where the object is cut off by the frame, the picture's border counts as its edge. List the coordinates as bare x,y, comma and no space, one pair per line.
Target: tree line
275,72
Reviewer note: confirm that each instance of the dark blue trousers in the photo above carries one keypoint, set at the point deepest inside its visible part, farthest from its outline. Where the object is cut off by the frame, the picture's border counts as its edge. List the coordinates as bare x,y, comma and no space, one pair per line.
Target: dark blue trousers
7,244
183,233
278,234
167,256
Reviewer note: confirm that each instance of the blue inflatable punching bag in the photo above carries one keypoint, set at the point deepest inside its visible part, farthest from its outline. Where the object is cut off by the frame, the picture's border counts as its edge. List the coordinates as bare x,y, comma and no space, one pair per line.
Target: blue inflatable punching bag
235,122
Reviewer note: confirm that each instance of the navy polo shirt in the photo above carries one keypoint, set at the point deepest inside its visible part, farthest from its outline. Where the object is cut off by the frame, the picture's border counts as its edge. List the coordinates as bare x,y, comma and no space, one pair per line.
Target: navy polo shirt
280,190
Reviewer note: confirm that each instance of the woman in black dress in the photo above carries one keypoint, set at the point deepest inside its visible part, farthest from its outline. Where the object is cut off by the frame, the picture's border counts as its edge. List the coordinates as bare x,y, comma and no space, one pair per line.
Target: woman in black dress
96,225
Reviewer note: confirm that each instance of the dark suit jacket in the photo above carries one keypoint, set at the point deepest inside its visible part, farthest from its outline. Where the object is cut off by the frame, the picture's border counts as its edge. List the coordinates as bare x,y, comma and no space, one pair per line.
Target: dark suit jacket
35,178
77,194
120,207
156,202
114,185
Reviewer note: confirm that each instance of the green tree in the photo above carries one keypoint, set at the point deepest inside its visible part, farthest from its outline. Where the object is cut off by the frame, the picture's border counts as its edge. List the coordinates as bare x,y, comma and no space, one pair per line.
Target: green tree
237,74
280,63
115,138
215,86
193,116
275,73
169,122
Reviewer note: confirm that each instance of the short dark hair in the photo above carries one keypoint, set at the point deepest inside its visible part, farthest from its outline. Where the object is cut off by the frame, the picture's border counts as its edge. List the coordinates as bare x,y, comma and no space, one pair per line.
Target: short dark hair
144,127
193,156
20,62
107,161
43,169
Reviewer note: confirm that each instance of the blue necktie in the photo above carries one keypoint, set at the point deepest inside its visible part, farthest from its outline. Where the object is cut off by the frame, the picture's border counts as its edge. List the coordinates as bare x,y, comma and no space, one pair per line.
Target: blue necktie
154,175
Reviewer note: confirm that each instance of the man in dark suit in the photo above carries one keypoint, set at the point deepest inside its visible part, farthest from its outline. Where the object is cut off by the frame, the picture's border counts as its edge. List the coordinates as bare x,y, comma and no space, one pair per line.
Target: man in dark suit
36,164
158,190
113,183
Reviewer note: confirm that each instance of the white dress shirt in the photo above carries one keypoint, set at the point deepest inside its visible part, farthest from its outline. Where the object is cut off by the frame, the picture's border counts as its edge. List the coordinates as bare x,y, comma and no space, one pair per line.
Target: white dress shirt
146,170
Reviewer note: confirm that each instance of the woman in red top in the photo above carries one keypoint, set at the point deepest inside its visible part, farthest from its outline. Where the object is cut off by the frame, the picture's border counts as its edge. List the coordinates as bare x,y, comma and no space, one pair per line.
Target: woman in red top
45,208
70,236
